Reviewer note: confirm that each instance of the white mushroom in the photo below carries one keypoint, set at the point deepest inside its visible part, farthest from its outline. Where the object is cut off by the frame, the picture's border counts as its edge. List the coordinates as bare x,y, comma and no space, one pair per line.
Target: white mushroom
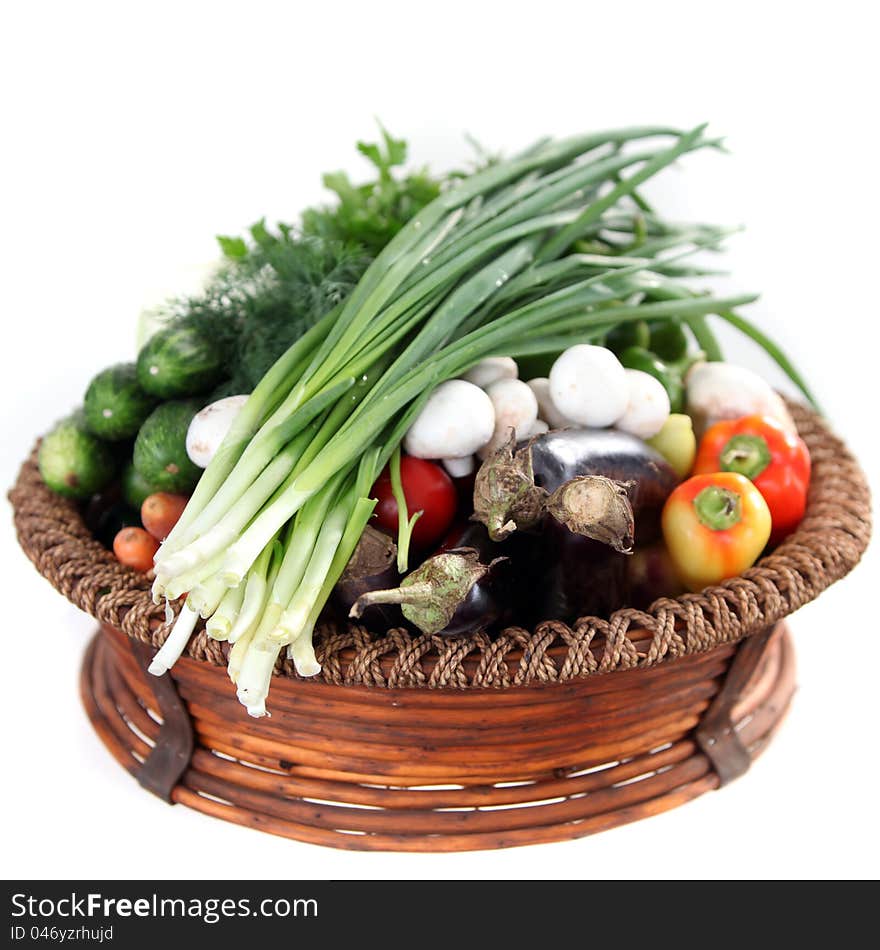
588,385
538,427
461,467
648,406
209,427
457,419
490,370
515,408
718,391
547,410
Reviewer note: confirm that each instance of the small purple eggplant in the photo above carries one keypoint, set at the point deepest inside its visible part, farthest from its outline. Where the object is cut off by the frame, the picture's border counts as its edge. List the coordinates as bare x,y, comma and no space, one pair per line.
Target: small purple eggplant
373,566
460,590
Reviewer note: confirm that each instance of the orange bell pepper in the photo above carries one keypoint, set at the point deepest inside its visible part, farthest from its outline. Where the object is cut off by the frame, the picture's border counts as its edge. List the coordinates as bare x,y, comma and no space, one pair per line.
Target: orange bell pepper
715,526
768,454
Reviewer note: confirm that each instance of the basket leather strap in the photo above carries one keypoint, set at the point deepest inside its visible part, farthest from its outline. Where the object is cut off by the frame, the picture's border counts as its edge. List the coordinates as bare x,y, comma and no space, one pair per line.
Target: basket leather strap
172,753
716,734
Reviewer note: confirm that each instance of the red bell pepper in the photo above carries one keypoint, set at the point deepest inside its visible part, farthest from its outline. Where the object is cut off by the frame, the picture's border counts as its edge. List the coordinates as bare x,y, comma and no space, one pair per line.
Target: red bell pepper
768,454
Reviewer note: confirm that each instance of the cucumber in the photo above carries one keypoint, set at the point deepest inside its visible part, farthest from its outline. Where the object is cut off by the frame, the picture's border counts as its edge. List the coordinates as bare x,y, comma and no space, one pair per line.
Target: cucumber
229,387
178,361
160,447
115,405
135,488
73,462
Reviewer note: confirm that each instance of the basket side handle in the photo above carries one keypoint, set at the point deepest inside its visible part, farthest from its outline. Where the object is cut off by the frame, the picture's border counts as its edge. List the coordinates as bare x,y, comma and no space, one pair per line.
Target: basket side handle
716,734
172,753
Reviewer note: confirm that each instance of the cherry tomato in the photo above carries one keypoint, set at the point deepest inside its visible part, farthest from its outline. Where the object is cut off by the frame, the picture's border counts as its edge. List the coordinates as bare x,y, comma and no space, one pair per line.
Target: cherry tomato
160,512
135,548
427,488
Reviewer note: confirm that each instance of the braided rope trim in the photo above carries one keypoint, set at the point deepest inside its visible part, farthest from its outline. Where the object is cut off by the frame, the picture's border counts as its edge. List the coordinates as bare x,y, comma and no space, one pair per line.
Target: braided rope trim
827,545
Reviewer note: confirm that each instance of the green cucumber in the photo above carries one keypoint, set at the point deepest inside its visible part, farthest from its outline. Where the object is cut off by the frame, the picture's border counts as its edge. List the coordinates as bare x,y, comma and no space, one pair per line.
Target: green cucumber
135,488
178,361
115,405
160,448
73,462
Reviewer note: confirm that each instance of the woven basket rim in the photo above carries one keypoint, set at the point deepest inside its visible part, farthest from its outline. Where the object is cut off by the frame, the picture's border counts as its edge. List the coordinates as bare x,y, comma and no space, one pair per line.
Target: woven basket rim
829,542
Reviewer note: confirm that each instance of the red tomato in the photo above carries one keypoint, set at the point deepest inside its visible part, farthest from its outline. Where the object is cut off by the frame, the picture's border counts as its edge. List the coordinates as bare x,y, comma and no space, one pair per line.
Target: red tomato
427,488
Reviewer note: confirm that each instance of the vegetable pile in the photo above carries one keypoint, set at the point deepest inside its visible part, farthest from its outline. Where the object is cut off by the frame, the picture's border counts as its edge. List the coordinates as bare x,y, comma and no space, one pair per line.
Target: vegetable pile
445,403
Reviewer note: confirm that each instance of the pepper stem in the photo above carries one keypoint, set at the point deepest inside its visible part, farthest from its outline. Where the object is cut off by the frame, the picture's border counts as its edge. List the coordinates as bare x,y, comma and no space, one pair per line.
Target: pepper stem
718,508
745,454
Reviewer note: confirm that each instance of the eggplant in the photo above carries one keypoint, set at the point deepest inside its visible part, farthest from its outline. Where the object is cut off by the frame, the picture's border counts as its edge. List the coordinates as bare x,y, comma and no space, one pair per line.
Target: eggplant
582,497
565,472
651,574
372,566
562,454
463,589
566,576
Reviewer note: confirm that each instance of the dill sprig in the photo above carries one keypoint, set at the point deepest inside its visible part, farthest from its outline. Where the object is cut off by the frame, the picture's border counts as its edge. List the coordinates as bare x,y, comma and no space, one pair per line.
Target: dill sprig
258,303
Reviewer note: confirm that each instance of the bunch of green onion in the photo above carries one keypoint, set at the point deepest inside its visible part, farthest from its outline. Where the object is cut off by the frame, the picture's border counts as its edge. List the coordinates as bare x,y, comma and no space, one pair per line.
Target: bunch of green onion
532,254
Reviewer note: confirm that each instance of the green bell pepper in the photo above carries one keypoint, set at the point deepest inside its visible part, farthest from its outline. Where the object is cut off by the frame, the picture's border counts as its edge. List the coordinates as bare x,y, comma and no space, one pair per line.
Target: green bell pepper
637,357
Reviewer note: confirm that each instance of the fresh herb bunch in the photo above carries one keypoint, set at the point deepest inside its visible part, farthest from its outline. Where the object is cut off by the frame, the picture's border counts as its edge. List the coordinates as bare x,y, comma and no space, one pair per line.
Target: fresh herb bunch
371,214
274,284
266,294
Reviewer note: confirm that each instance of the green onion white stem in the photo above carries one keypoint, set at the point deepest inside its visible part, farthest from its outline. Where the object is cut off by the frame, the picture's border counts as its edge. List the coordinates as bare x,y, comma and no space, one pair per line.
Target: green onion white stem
300,607
206,596
178,585
222,620
239,652
252,604
256,674
175,644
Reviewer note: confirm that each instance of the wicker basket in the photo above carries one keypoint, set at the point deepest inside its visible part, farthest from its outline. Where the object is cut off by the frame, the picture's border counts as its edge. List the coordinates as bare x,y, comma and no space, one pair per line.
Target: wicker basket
419,743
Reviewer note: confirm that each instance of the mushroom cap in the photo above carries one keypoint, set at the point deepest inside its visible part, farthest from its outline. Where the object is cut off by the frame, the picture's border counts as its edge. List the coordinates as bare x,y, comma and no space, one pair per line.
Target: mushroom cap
209,427
547,410
538,427
461,467
515,408
588,386
456,420
717,391
648,407
492,369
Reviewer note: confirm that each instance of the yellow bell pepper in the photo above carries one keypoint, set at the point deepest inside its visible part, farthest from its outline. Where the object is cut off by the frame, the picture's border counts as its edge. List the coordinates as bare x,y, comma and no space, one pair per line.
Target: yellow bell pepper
715,526
677,443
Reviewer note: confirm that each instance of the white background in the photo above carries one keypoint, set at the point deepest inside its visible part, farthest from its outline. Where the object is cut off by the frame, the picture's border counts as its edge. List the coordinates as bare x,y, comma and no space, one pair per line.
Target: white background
135,132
